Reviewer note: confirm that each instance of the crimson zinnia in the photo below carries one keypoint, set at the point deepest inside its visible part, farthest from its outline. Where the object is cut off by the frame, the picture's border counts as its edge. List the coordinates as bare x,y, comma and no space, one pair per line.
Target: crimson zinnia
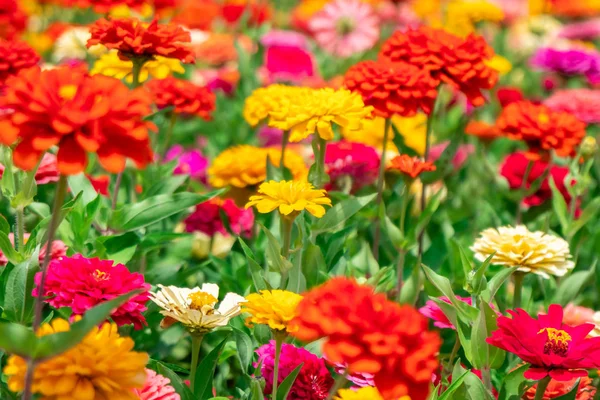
15,56
459,62
66,107
13,19
552,348
186,97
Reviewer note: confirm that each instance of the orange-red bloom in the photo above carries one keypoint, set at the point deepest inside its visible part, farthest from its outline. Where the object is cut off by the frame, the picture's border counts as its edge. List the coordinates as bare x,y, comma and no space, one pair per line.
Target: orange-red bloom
259,11
393,88
103,6
13,19
197,14
459,62
555,389
186,97
541,128
370,334
137,40
410,166
483,130
15,56
66,107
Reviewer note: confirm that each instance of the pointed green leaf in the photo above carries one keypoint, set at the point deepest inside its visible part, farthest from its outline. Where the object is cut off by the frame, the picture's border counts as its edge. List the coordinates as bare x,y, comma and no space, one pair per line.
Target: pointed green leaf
206,372
337,215
284,388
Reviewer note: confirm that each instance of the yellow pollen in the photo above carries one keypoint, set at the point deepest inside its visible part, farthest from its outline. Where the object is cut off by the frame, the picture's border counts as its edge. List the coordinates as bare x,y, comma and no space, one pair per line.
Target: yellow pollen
201,299
67,92
101,275
558,341
544,118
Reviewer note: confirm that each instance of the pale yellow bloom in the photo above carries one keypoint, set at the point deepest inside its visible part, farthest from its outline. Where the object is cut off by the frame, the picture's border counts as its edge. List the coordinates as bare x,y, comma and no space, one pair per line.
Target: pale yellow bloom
536,252
275,308
111,65
290,197
71,44
218,245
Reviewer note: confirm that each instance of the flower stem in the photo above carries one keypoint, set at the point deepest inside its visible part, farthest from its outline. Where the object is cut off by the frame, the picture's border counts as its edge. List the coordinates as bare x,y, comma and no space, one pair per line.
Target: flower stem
196,344
278,344
340,381
116,190
523,188
286,232
20,228
169,134
380,181
401,251
285,139
541,388
429,129
518,289
136,70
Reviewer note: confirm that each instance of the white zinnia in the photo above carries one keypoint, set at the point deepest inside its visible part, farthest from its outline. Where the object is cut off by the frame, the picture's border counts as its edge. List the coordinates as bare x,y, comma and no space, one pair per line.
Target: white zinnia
71,45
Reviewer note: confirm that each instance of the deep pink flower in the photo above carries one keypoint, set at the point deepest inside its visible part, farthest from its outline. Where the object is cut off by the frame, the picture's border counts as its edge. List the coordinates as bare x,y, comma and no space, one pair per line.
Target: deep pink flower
461,155
350,165
59,249
206,218
569,62
551,347
47,171
190,162
287,57
314,380
584,30
157,387
582,103
432,311
82,283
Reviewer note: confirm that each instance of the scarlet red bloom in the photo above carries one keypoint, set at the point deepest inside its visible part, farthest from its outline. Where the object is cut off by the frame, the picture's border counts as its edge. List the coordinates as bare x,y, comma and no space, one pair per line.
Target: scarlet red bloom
483,130
137,40
541,128
13,19
459,62
260,11
393,88
79,114
556,389
370,334
410,166
206,218
507,95
103,6
552,348
15,56
186,97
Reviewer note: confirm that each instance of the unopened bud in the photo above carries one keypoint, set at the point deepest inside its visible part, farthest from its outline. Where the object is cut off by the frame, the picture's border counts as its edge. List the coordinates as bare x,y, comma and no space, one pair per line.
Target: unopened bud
588,147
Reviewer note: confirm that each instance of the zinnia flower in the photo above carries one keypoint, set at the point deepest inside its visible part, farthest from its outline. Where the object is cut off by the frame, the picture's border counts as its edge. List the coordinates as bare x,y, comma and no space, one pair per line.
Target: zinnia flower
312,383
110,64
195,308
290,197
459,62
365,393
47,172
275,308
206,218
550,347
82,283
345,27
15,56
573,9
315,111
580,103
137,40
393,88
263,101
577,315
245,165
13,19
410,166
184,96
536,252
79,114
581,30
287,56
350,166
371,334
102,366
556,389
541,128
156,387
462,16
191,162
71,45
569,62
433,311
484,131
258,11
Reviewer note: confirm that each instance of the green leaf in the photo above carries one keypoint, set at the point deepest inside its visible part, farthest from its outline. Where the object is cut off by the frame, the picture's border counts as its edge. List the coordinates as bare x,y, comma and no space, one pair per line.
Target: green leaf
284,388
513,385
432,205
245,348
570,287
412,287
166,186
181,388
496,282
157,208
590,213
336,216
483,354
257,391
277,261
473,388
81,184
390,229
313,263
464,311
560,206
4,225
17,339
255,269
456,383
119,248
8,250
206,371
18,301
296,280
262,333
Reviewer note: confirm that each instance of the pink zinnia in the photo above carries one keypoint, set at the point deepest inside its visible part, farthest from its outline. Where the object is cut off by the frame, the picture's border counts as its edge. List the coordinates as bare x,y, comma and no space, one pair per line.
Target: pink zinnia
156,387
350,165
58,249
82,283
287,57
206,218
190,162
582,103
345,27
584,30
432,311
47,172
314,380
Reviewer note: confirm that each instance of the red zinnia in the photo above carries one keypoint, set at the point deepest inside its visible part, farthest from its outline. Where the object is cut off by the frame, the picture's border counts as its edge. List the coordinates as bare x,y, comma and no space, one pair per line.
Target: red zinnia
459,62
410,166
207,218
541,128
259,11
105,6
552,348
393,88
370,334
66,107
15,56
136,39
13,19
483,130
186,97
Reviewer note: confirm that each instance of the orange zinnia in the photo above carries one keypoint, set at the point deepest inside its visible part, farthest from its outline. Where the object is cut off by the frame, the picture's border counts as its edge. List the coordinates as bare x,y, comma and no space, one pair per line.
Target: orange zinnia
483,130
186,97
410,166
66,107
393,88
137,40
197,14
541,128
15,56
370,334
459,62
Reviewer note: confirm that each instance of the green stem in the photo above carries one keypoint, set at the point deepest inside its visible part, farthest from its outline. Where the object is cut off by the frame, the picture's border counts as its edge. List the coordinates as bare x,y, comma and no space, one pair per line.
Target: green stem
487,378
340,381
402,252
278,344
20,228
541,388
196,344
138,64
115,194
380,182
428,131
519,276
284,142
169,134
523,189
321,165
287,224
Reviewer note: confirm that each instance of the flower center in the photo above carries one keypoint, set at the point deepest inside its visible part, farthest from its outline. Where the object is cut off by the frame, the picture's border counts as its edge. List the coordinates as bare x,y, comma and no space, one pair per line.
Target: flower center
101,275
558,341
544,118
345,26
201,299
67,92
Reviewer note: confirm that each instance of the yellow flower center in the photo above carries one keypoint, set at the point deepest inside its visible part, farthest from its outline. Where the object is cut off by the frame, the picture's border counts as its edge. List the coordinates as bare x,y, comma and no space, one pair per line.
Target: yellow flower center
544,118
201,299
101,275
558,341
67,92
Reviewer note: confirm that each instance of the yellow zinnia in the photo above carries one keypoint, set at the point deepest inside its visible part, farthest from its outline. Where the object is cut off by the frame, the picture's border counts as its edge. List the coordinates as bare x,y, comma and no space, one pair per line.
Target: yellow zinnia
111,65
365,393
275,308
462,15
102,366
273,98
290,197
